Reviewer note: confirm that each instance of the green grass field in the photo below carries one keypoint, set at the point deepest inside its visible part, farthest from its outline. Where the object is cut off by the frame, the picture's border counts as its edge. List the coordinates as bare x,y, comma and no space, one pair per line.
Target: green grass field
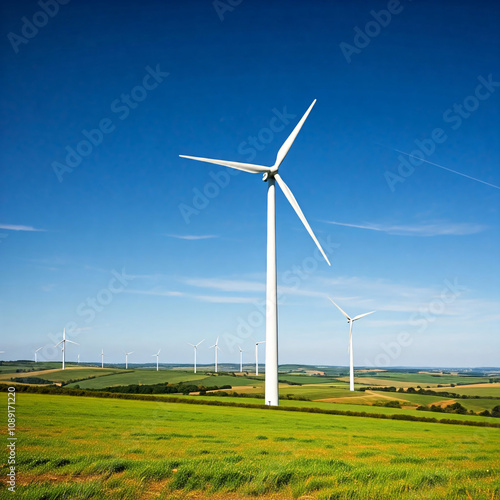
140,377
75,448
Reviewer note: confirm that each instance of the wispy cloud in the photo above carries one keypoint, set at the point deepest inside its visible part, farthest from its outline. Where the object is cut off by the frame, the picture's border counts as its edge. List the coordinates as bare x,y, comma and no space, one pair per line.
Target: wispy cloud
428,229
192,237
225,300
226,285
14,227
448,169
160,293
214,299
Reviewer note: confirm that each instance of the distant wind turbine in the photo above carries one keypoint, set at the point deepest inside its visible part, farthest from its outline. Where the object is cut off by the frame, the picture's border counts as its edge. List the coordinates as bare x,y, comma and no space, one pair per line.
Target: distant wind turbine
241,359
126,359
195,346
351,321
36,353
63,348
257,356
78,358
217,348
102,358
270,176
157,355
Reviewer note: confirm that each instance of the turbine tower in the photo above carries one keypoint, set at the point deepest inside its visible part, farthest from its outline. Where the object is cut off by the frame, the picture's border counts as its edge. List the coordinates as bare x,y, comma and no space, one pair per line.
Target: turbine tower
217,348
270,175
36,361
195,346
63,348
157,354
241,359
350,321
102,358
126,359
257,356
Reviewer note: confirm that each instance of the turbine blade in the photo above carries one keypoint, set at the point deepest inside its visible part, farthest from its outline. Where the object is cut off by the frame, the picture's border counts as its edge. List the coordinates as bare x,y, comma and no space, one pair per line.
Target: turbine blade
71,342
59,343
246,167
295,205
200,342
361,315
345,314
288,143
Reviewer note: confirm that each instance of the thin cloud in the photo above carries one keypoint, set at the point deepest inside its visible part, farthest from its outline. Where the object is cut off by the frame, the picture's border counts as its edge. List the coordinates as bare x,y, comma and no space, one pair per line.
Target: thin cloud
448,169
430,229
192,237
225,285
203,298
225,300
159,293
14,227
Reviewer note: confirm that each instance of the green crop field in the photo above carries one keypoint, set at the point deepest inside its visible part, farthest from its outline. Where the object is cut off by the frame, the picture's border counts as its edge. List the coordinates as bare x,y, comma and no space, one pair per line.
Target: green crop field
136,377
401,379
76,448
487,390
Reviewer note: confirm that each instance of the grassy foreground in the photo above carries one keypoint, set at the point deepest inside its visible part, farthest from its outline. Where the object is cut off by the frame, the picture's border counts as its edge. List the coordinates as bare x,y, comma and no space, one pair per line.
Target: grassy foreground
86,448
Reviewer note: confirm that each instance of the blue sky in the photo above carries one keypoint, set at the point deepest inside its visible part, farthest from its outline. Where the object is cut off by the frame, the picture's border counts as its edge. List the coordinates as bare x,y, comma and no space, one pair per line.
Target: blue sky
132,248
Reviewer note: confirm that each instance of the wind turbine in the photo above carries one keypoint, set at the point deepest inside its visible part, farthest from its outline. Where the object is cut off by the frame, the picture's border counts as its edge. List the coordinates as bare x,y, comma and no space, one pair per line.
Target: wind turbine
270,176
78,358
36,352
157,355
63,349
126,359
102,358
351,321
217,348
195,349
241,359
257,356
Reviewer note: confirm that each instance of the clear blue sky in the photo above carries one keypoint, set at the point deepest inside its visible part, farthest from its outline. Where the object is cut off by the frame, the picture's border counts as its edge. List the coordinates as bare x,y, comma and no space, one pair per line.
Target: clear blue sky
417,243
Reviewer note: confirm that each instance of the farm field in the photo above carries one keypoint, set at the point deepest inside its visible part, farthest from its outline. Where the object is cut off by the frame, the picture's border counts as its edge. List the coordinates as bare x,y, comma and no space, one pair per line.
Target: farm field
139,377
93,448
348,407
320,391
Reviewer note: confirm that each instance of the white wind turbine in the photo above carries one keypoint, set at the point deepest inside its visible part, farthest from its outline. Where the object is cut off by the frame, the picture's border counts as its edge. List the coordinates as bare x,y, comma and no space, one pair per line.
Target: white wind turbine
63,349
126,359
351,321
102,358
157,355
217,348
195,346
241,359
257,356
36,361
78,359
270,176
